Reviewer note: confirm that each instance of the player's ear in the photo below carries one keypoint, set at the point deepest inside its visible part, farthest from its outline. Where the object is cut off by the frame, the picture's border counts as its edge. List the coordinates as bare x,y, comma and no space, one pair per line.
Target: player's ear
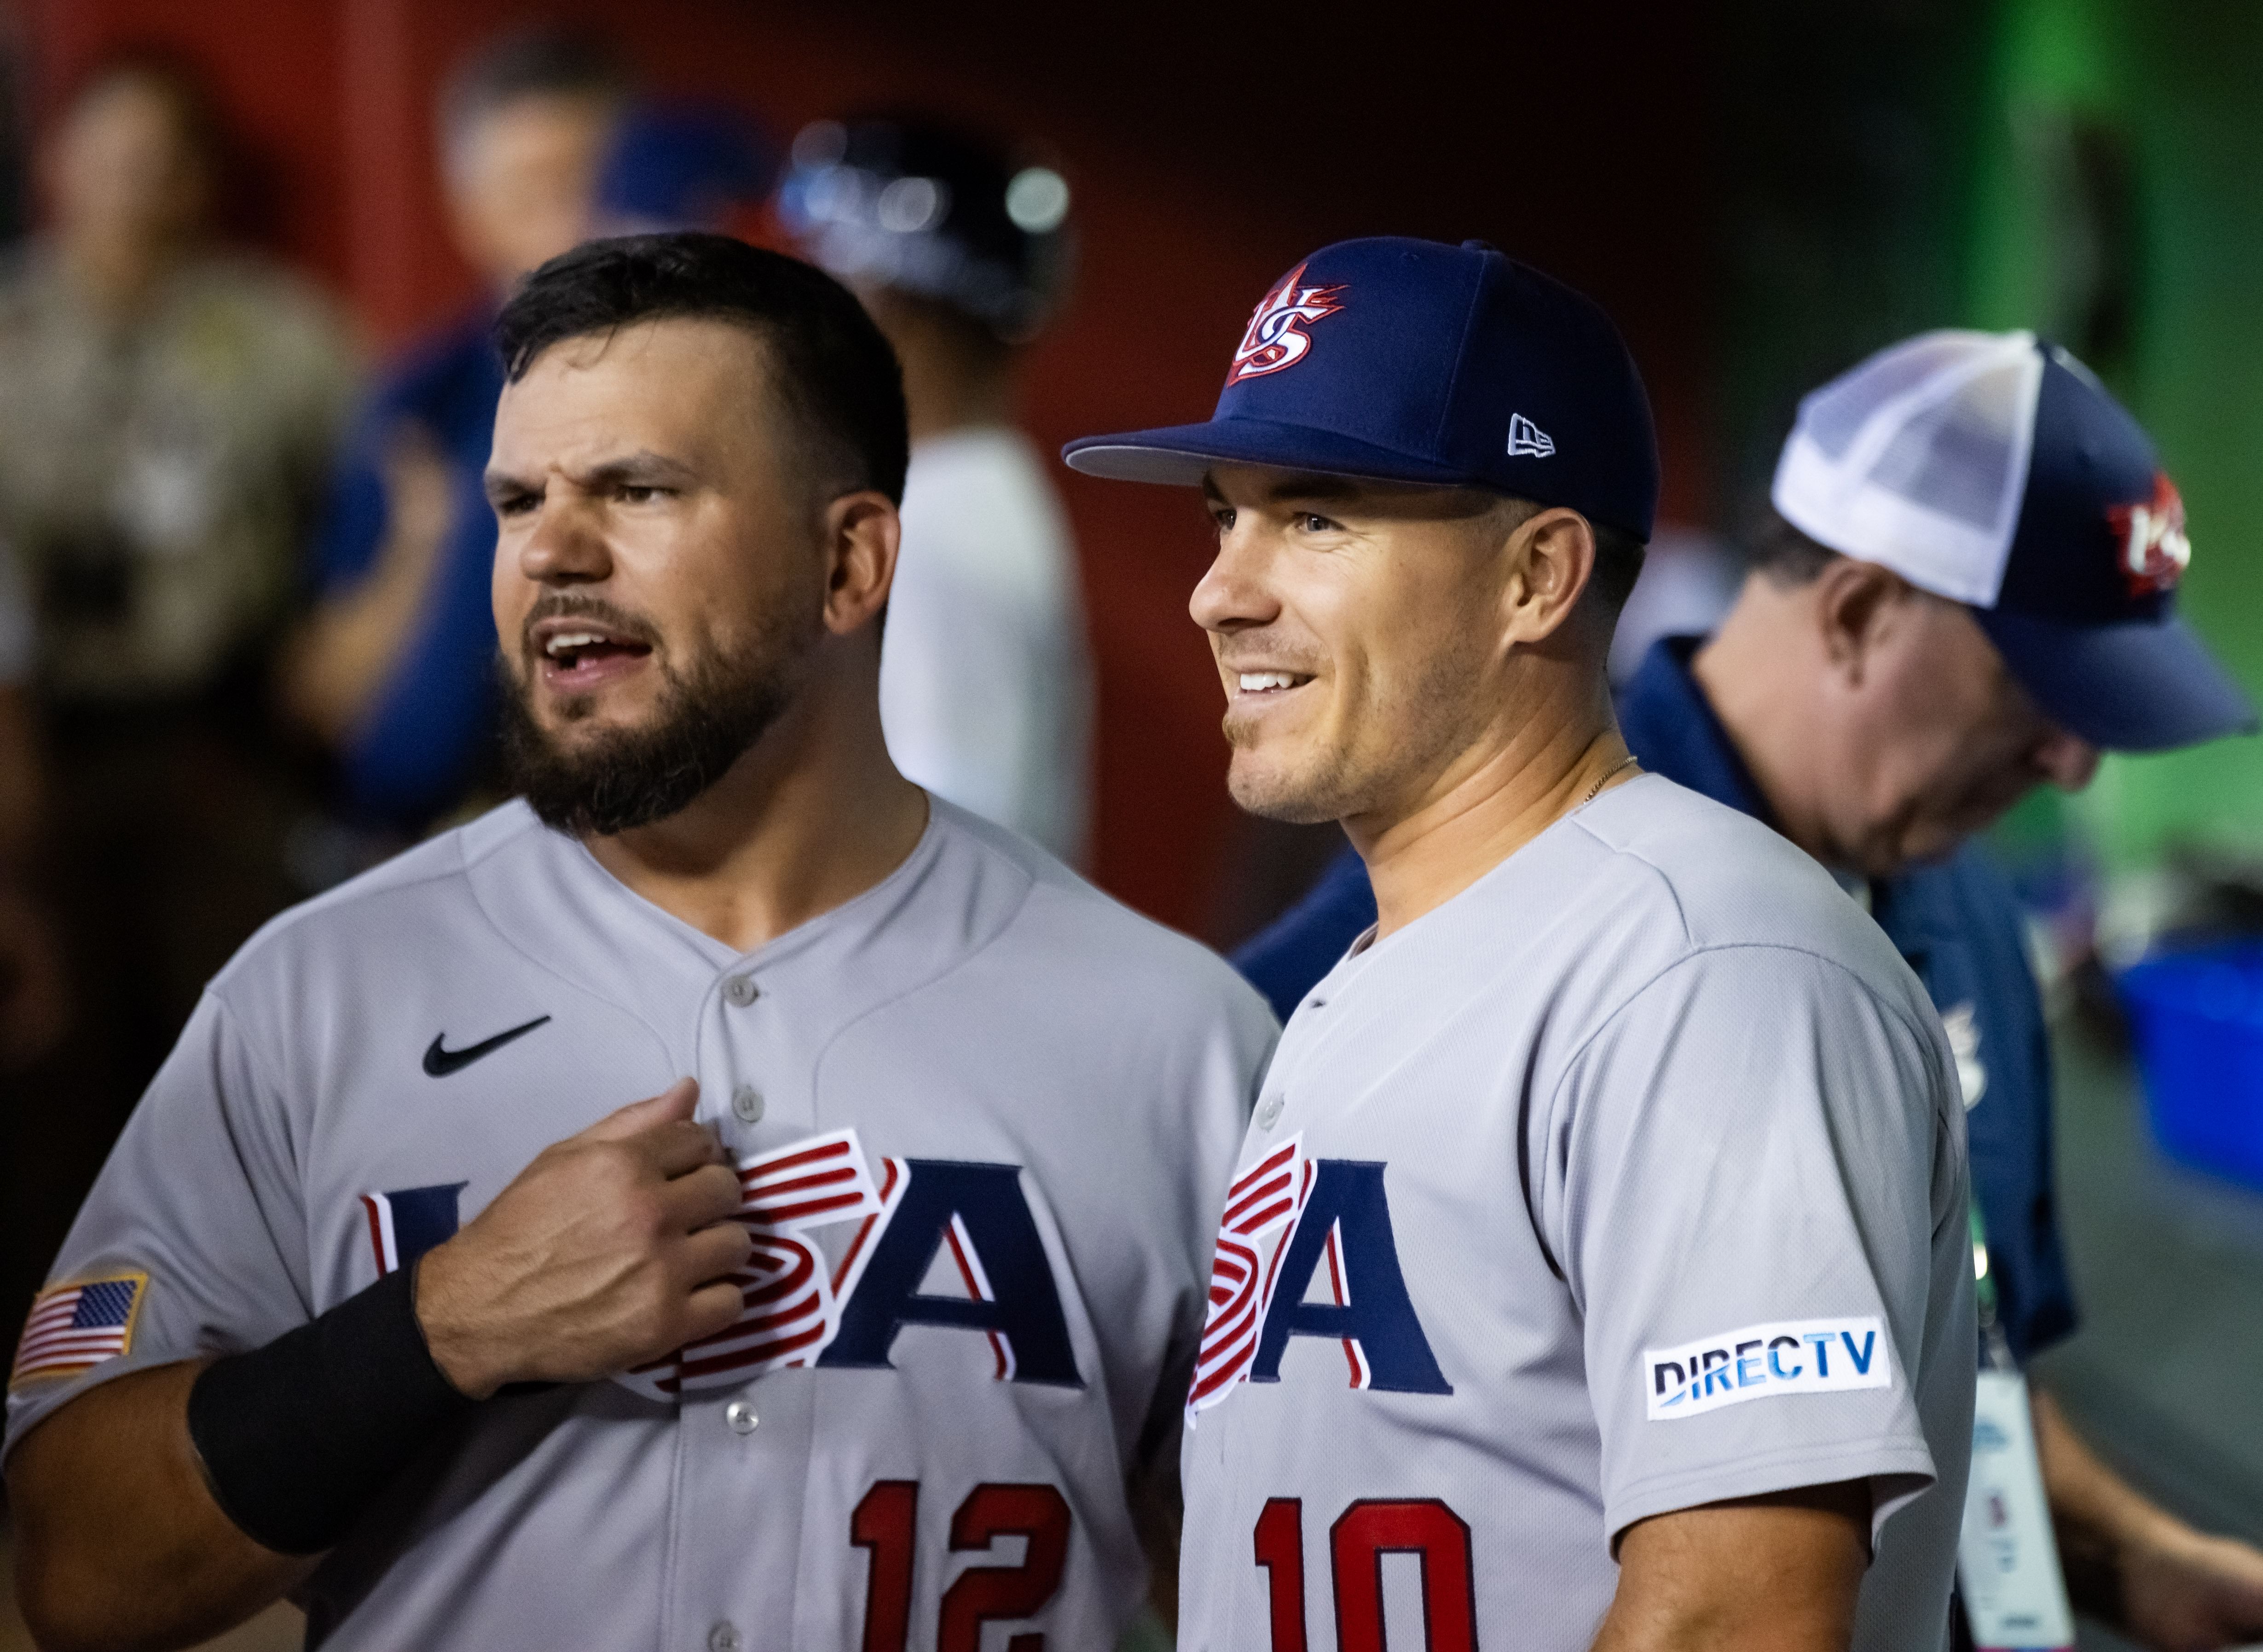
1855,604
861,532
1551,557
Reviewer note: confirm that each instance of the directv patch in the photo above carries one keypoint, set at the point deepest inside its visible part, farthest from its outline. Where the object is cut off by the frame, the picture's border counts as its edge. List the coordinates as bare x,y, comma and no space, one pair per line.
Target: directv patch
1792,1356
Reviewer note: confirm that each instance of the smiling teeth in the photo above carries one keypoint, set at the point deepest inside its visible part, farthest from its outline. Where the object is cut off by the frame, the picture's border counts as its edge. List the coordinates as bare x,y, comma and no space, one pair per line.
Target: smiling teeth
567,640
1255,681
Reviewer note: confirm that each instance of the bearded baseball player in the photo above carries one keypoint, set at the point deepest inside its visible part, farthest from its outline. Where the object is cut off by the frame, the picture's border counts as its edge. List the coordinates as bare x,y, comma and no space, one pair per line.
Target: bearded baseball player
1595,1272
849,1337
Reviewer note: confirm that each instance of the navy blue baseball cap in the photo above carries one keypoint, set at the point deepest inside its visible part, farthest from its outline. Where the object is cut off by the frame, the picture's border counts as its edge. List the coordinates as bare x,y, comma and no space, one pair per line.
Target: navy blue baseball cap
1993,469
1412,361
682,166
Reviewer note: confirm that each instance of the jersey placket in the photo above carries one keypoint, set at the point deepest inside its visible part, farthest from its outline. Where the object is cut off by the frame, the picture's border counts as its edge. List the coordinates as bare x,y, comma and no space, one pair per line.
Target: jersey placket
743,1449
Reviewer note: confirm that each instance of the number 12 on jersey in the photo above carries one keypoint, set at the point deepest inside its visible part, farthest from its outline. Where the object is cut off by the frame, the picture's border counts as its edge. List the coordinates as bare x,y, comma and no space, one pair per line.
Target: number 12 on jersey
885,1525
1361,1535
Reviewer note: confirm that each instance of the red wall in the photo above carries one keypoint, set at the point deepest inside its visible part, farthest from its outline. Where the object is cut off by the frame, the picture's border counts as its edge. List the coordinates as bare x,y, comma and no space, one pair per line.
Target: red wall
1209,145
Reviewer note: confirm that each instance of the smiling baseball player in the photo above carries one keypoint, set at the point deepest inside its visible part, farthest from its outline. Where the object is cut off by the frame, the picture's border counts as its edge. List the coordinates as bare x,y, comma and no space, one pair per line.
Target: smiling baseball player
855,1342
1596,1271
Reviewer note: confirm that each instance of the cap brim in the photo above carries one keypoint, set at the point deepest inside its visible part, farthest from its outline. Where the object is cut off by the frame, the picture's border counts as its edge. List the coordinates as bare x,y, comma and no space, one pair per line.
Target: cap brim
1182,454
2141,686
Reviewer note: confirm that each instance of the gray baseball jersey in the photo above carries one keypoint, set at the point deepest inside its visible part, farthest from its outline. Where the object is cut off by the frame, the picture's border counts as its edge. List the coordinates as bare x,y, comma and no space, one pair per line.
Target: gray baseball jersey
1631,1178
985,1116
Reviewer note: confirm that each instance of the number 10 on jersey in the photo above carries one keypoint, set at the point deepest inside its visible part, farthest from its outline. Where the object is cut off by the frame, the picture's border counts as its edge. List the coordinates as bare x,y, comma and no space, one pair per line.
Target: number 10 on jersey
1362,1534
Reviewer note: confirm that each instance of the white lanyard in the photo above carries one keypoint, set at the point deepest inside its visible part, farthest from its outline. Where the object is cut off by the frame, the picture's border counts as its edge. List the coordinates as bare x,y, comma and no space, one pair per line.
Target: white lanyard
2007,1566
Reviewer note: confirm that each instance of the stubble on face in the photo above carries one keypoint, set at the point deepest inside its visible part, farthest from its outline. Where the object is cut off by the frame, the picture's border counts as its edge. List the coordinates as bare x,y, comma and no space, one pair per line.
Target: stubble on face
1399,718
1400,661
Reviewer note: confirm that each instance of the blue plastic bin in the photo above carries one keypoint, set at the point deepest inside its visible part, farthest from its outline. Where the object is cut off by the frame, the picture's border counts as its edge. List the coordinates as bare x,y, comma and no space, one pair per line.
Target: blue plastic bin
2198,1018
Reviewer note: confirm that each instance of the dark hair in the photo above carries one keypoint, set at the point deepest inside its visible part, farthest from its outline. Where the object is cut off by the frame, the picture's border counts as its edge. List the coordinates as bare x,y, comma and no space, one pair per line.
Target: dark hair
547,62
1618,565
836,376
1618,560
1789,559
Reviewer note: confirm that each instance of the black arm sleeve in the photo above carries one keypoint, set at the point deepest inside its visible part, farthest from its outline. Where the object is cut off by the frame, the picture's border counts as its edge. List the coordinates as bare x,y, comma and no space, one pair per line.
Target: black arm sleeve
297,1436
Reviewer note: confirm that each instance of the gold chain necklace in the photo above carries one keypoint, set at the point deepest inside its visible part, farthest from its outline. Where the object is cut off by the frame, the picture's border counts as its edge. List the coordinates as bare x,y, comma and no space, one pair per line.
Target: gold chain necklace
1603,779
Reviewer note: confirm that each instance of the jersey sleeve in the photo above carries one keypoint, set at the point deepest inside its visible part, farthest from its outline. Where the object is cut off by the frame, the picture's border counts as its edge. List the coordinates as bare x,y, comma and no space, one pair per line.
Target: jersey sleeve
1760,1164
192,1240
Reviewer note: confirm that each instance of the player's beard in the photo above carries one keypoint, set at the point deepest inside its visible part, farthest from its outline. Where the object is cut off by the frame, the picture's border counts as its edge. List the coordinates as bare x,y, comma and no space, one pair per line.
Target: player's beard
616,780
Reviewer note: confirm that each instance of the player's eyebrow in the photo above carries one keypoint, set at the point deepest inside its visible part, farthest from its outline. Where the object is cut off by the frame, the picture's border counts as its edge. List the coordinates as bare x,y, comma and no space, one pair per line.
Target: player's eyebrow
640,469
502,485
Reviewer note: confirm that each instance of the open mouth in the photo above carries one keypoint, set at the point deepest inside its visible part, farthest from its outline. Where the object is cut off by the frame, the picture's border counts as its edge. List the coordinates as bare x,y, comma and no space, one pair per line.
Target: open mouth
580,654
1260,684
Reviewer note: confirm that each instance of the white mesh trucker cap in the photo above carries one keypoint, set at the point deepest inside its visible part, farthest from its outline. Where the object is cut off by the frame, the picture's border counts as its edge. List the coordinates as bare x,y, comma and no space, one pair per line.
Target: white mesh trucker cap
1994,470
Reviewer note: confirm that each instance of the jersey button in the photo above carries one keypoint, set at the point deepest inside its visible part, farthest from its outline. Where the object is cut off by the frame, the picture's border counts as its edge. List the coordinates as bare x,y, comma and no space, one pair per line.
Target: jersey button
741,990
740,1417
1268,1112
747,1103
725,1637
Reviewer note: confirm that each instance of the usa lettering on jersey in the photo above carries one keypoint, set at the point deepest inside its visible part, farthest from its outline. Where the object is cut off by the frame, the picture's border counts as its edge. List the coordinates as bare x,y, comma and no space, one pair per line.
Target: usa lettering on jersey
1340,1222
798,1312
1260,1207
1765,1361
788,1311
977,1216
407,1222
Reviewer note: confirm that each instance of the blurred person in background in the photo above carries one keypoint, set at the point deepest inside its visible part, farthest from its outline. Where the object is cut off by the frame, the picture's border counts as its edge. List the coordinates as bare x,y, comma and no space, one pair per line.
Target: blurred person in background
677,165
393,670
34,996
1962,589
961,256
167,415
1689,579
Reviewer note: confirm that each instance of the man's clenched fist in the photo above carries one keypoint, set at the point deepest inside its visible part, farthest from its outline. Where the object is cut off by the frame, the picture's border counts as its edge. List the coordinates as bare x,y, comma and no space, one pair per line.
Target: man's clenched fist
613,1247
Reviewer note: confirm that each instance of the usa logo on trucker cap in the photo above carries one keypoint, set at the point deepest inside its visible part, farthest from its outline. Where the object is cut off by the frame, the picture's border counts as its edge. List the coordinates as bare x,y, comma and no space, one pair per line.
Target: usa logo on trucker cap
2155,550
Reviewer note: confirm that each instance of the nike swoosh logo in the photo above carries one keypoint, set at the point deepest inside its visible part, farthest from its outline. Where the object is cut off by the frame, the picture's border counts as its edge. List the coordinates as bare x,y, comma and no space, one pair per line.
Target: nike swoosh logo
440,1061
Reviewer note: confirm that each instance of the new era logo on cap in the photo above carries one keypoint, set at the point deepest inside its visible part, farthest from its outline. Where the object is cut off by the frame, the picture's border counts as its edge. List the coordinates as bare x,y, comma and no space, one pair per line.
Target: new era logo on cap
1525,437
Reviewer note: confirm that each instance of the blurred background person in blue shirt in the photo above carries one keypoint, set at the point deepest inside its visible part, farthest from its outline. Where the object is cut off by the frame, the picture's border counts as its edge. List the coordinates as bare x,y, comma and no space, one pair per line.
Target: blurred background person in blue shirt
962,256
393,670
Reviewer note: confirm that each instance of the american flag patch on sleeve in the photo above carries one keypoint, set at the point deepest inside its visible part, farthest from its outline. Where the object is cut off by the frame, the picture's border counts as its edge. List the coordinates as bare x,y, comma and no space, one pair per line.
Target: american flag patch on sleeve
74,1327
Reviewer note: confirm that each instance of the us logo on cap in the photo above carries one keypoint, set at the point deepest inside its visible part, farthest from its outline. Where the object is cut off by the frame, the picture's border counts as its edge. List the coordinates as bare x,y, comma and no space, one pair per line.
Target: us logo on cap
1275,337
2155,551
